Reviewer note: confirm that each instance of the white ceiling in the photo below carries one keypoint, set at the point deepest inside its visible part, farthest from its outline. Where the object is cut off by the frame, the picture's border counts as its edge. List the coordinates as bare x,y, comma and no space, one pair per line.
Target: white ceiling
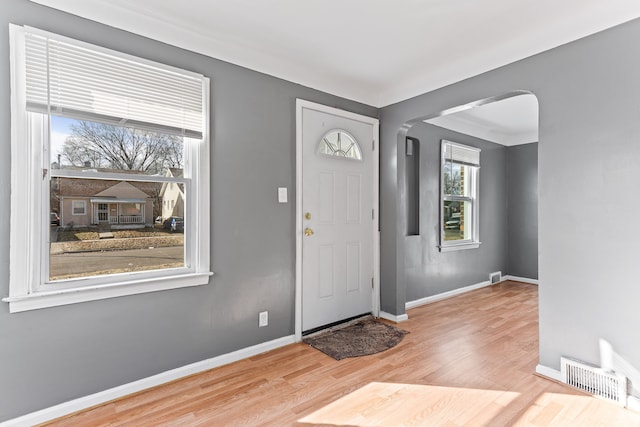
511,121
374,51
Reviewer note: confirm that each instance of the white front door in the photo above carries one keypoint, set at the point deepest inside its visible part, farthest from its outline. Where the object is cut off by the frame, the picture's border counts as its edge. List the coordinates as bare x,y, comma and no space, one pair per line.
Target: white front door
338,221
103,212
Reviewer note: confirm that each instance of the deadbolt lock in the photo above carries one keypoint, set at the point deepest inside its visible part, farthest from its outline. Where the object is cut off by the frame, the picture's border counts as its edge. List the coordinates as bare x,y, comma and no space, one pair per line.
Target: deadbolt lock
307,215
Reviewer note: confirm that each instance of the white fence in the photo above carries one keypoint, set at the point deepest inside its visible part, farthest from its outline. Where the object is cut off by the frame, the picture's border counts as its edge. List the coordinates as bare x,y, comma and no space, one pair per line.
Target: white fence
126,219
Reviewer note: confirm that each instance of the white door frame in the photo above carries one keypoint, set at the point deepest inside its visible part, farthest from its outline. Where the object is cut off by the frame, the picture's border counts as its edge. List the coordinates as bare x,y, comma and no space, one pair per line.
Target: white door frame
375,300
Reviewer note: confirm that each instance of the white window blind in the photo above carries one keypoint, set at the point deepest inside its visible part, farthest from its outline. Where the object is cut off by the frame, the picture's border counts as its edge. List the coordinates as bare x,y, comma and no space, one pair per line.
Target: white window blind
461,154
75,79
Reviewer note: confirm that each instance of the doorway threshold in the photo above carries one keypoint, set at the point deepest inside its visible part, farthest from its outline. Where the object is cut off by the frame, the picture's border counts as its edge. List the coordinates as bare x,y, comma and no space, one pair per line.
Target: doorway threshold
339,323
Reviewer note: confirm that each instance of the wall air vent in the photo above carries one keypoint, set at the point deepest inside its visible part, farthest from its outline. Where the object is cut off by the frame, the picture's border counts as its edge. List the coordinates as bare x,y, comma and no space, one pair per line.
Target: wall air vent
495,277
593,380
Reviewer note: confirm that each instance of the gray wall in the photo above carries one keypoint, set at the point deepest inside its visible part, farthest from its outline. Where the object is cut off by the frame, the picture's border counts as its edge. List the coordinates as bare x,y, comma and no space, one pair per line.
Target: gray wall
52,355
427,270
588,155
522,200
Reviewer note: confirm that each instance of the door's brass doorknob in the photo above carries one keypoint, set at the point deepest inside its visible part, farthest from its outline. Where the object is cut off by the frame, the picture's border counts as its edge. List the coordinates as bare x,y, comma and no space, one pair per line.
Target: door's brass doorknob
308,232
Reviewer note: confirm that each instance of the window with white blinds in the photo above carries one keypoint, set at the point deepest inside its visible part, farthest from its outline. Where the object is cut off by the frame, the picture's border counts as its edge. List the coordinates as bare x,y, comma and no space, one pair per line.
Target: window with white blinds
75,79
102,140
462,154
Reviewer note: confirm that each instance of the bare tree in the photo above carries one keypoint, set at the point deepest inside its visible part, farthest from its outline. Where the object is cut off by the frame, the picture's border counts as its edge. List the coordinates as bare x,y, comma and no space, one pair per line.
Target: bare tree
452,185
107,146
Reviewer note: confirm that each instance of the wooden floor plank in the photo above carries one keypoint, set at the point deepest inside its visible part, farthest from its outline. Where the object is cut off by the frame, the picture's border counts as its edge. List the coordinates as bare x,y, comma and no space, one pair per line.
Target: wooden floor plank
467,361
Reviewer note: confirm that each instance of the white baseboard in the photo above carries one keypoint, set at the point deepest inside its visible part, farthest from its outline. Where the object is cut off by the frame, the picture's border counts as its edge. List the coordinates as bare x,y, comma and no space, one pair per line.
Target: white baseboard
633,403
393,317
445,295
520,279
549,372
85,402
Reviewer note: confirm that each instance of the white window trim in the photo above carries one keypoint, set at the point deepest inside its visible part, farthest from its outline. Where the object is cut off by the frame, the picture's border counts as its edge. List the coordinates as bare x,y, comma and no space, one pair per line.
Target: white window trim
450,247
474,242
29,222
84,205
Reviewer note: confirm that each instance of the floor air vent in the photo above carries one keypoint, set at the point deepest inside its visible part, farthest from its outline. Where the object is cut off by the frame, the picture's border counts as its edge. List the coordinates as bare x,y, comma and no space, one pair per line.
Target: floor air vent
593,380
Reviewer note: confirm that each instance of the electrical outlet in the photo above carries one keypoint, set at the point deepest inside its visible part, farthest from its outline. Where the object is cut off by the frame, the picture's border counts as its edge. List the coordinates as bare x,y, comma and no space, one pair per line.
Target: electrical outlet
263,319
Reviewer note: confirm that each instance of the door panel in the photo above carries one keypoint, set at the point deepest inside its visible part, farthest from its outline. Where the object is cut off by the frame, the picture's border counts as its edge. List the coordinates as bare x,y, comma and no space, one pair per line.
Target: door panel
353,267
354,199
326,197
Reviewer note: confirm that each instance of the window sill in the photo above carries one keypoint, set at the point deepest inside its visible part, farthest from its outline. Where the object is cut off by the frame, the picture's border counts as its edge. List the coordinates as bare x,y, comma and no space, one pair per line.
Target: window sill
93,293
459,246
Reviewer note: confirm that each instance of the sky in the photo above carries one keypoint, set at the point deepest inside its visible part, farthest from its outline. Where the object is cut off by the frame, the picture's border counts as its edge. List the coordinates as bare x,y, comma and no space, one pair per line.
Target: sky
60,129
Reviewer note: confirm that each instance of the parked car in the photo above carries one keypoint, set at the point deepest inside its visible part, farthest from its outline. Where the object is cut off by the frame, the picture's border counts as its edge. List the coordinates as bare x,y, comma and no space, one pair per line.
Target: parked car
173,223
55,219
453,223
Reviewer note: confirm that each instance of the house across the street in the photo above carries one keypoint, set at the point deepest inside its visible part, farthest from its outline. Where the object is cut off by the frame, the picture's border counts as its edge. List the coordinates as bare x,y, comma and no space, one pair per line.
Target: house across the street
120,204
172,195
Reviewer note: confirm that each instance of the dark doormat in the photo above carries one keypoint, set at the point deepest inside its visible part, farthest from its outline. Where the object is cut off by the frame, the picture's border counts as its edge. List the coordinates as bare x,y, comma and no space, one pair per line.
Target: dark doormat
358,338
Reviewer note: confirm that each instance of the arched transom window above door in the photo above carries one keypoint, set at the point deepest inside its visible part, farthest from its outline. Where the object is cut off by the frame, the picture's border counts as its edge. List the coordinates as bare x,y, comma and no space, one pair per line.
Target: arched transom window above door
340,143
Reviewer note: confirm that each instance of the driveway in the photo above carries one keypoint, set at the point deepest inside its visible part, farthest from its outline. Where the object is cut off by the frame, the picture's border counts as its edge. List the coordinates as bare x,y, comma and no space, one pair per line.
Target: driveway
54,233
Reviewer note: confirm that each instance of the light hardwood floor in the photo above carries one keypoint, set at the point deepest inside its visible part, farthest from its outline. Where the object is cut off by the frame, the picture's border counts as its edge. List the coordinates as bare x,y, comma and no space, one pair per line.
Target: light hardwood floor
468,361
